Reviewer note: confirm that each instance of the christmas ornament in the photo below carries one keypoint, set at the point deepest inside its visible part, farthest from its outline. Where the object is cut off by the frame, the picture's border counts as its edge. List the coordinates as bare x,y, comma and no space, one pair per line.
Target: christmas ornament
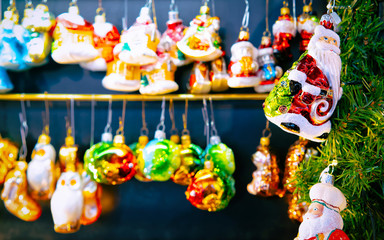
5,83
160,157
73,38
92,199
283,31
243,66
306,24
210,189
265,180
122,77
39,23
173,34
8,157
218,75
221,155
201,41
269,72
41,169
296,209
199,82
138,44
106,37
159,78
68,152
306,96
323,219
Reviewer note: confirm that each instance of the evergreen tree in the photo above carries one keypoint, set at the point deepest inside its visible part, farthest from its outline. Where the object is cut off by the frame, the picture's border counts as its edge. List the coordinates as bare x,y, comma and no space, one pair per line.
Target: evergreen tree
357,137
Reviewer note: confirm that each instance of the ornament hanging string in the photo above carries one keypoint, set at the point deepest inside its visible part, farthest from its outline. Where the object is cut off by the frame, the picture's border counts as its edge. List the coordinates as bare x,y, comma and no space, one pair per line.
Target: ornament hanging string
46,118
172,117
120,131
173,6
185,119
23,132
206,120
267,129
161,125
108,128
144,130
73,117
213,124
328,168
245,22
213,8
294,14
125,18
266,32
93,104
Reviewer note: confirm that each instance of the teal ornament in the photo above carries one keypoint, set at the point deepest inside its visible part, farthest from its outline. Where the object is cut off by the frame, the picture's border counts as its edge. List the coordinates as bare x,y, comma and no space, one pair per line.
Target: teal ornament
5,83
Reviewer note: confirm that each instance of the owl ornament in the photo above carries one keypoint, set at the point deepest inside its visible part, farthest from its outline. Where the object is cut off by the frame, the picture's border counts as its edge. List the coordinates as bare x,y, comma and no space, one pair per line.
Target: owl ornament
265,180
110,163
39,23
201,41
243,66
92,199
73,38
269,73
8,157
138,44
159,78
199,82
283,32
306,24
41,169
305,98
5,83
106,37
15,194
173,34
137,149
210,189
160,158
218,75
190,161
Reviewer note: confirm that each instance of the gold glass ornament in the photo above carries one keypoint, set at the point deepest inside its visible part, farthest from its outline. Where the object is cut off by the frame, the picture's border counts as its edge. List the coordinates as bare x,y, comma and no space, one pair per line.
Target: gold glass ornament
8,157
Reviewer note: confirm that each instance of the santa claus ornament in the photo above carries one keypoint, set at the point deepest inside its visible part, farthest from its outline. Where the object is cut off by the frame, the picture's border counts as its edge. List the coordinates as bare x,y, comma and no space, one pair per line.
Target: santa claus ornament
323,219
73,38
283,31
105,37
306,24
306,96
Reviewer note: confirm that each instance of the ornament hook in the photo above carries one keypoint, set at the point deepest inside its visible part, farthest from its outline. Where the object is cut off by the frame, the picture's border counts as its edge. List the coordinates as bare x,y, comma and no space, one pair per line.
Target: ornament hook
213,124
46,116
267,129
120,131
206,120
108,128
144,130
73,117
174,130
266,32
161,125
173,6
326,176
23,131
185,119
93,104
245,22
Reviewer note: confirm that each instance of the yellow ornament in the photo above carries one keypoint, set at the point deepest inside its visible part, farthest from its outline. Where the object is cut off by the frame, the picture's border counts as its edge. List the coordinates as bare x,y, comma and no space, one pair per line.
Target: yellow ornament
8,157
121,76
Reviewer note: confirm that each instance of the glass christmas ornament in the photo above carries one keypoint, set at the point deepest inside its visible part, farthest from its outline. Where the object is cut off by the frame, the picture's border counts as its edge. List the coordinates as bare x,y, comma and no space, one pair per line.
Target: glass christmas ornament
15,194
5,83
306,24
67,201
210,189
92,199
305,98
8,157
283,31
173,34
221,155
41,169
39,23
218,75
159,78
106,37
110,163
296,209
269,73
138,44
73,38
137,149
190,156
160,158
199,82
68,152
243,66
265,180
122,77
201,41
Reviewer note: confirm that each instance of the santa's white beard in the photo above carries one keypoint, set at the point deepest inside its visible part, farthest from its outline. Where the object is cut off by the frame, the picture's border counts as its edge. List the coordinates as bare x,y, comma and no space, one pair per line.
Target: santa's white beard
328,60
329,221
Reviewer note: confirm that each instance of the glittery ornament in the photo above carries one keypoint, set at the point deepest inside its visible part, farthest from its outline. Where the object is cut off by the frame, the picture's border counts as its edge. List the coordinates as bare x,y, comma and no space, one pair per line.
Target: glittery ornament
137,149
15,194
199,82
306,24
296,209
221,155
8,157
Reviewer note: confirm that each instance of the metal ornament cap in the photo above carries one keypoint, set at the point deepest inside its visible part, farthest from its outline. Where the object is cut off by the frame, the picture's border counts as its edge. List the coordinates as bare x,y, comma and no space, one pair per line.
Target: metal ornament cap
327,178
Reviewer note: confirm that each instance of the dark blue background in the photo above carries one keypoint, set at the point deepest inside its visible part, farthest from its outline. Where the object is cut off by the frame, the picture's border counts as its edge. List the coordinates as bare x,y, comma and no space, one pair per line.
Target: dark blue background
157,210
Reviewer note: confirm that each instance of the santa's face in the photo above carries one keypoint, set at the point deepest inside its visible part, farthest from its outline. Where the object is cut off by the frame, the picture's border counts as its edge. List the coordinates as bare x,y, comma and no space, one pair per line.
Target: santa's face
328,40
316,210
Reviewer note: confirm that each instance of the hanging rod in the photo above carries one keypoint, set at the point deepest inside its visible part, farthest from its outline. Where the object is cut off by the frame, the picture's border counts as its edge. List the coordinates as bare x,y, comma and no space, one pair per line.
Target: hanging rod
128,97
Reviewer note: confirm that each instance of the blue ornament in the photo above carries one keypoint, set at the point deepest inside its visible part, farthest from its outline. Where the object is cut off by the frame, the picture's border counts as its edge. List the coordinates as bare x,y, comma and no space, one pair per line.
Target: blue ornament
5,83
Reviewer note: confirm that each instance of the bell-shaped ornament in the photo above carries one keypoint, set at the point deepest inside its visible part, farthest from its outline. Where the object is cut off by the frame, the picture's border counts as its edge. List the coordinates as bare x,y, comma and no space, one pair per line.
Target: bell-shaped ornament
92,199
159,78
201,41
41,169
210,189
161,158
199,82
221,155
137,149
8,157
265,180
15,194
243,66
111,163
5,83
122,77
73,38
138,44
218,75
190,156
106,37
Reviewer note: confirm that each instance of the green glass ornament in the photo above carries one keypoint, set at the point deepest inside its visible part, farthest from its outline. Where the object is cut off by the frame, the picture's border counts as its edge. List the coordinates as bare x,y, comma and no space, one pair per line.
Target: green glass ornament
221,155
